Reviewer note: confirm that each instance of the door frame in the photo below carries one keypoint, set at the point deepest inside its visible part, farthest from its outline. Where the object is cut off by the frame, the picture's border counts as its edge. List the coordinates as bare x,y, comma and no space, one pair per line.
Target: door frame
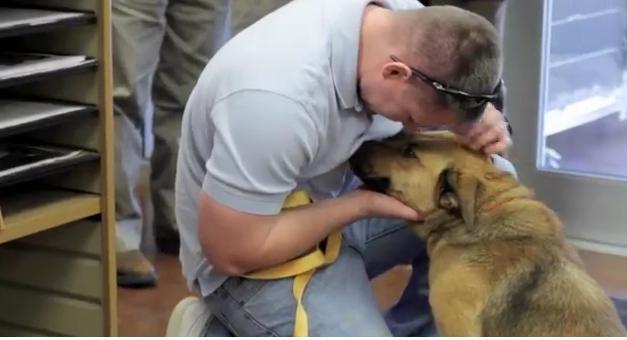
593,209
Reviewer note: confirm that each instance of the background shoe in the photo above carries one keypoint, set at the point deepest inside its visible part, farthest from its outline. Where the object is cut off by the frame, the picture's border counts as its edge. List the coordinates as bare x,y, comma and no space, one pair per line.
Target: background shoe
134,270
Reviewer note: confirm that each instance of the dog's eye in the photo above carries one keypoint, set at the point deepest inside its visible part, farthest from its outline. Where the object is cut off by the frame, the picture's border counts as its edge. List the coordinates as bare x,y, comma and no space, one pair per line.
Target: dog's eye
408,152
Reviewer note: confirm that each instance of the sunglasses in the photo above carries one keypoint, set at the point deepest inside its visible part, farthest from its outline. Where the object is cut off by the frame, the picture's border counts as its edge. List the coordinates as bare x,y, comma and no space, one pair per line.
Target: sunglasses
472,103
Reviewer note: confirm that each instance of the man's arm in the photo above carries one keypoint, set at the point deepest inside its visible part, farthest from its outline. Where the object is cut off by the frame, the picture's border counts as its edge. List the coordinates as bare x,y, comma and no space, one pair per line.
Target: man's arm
237,243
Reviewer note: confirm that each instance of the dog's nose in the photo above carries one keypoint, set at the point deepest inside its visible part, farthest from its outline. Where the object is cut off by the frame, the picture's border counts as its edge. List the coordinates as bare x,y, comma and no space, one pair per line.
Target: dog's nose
359,164
356,161
379,184
359,159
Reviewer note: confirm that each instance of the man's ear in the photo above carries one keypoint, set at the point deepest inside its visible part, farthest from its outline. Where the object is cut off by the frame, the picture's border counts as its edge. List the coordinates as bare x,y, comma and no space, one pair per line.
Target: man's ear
458,192
396,70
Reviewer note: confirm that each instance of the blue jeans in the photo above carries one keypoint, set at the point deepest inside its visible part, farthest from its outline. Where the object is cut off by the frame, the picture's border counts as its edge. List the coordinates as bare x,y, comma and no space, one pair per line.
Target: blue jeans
339,299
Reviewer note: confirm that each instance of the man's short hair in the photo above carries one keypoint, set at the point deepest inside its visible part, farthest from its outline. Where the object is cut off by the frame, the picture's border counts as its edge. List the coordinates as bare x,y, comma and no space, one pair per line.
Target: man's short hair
457,47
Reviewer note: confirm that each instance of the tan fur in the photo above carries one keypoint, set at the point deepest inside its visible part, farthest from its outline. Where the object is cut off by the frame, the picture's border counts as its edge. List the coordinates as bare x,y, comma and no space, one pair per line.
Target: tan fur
500,265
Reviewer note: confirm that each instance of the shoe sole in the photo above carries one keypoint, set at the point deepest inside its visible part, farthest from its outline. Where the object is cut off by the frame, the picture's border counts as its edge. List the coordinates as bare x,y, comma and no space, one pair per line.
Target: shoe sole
175,323
136,281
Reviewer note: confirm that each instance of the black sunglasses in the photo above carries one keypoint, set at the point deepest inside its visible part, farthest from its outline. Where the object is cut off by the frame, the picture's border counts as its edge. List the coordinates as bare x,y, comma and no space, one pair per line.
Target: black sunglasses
473,103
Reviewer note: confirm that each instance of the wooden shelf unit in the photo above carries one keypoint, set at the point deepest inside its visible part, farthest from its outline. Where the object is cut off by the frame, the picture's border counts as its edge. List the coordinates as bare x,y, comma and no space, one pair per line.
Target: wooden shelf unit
32,212
57,232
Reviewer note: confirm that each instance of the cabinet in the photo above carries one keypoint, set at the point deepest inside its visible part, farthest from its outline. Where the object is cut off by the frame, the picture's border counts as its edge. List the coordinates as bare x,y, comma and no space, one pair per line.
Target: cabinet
57,242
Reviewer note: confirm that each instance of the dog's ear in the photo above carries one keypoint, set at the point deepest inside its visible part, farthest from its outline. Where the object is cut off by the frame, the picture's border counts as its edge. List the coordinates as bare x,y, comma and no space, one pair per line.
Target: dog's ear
457,193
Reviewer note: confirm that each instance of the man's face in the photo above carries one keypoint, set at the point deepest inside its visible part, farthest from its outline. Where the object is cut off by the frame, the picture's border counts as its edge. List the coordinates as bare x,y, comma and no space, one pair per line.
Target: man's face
424,108
413,103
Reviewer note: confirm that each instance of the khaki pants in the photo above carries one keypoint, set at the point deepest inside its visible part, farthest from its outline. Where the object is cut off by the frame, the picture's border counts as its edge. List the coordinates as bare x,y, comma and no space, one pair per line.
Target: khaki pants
159,49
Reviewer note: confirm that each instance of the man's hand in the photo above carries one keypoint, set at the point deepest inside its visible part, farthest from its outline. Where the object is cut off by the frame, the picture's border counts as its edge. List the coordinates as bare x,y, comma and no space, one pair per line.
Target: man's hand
489,134
374,204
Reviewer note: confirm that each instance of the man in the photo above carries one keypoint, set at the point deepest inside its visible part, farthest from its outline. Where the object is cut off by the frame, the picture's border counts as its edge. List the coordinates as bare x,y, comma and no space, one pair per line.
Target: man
282,107
160,48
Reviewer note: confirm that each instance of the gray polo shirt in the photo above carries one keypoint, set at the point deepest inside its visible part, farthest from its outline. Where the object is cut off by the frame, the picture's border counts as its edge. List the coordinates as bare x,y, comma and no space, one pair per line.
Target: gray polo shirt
276,109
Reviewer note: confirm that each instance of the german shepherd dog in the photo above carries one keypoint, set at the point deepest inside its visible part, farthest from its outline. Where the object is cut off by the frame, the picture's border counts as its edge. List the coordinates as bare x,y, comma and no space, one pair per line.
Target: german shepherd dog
499,261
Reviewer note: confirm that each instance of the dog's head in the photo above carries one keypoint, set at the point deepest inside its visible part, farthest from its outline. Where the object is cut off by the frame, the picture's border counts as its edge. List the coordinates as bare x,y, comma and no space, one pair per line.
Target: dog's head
427,171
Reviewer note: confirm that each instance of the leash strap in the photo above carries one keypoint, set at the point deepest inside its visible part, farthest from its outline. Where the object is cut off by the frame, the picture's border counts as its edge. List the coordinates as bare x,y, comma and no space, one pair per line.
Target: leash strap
301,268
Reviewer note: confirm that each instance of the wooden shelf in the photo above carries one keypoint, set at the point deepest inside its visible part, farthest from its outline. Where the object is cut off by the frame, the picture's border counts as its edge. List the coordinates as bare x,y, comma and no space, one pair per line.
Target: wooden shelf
29,212
57,159
84,66
43,26
20,116
57,232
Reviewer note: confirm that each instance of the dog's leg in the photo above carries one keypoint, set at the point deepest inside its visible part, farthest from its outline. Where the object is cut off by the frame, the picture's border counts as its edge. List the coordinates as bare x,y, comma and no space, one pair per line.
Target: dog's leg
458,292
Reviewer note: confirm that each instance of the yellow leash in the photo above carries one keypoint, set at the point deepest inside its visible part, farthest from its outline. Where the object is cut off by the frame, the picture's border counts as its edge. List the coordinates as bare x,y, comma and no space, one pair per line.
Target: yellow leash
302,268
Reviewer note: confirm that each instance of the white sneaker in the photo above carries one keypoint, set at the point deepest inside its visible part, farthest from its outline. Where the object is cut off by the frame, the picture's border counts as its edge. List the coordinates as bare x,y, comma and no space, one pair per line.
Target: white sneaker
189,318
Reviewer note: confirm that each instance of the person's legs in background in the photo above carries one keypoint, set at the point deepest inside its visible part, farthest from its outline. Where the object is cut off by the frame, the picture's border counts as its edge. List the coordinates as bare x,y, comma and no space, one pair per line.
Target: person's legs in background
160,48
137,28
244,13
195,29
